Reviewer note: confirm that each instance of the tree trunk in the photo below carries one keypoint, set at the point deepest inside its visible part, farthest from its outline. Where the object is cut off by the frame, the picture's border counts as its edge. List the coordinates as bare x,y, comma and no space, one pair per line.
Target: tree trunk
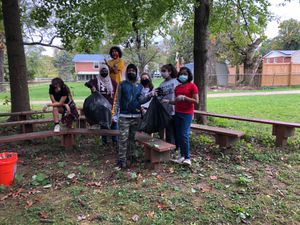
16,56
202,10
2,87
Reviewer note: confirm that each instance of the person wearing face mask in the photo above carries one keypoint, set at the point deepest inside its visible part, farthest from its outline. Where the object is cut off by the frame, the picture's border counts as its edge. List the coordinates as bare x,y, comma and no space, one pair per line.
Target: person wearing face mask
147,91
128,112
116,64
166,93
104,84
186,95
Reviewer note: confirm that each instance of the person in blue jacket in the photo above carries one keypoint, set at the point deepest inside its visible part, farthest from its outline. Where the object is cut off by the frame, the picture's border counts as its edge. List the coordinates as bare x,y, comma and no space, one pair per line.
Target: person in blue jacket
128,112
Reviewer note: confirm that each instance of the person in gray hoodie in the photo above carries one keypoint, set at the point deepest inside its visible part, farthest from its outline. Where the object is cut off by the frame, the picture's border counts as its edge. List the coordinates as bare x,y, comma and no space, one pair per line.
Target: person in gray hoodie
166,92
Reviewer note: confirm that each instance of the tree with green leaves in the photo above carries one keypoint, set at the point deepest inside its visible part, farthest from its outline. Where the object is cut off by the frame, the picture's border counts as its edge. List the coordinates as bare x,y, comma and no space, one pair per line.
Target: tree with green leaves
63,63
288,36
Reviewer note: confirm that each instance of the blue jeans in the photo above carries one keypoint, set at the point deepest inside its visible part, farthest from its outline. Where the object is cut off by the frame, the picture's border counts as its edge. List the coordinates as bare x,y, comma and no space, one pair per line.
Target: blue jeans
114,126
183,125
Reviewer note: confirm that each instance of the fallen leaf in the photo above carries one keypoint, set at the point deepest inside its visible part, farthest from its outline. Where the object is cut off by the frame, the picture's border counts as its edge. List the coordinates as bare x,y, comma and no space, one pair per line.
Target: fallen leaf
47,186
213,177
150,214
94,184
158,177
204,187
29,203
171,170
81,217
43,215
135,218
162,206
71,175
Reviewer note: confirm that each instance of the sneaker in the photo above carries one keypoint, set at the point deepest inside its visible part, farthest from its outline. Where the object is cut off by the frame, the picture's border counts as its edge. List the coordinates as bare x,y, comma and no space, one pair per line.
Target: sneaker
187,162
179,160
120,165
57,128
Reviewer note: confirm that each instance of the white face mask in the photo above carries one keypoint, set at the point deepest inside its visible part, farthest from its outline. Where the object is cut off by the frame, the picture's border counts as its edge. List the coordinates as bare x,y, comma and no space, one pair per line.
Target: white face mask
165,74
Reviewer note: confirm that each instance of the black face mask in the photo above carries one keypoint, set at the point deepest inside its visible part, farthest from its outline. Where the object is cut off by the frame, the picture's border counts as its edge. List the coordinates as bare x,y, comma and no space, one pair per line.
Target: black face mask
145,82
104,74
131,76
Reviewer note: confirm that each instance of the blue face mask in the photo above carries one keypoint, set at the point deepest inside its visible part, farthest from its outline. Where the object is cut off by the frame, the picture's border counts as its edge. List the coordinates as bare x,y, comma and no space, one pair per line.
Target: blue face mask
183,78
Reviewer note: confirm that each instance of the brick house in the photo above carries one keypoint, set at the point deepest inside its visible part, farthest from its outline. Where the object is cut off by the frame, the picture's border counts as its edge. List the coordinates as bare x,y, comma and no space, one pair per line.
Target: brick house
278,56
88,65
281,68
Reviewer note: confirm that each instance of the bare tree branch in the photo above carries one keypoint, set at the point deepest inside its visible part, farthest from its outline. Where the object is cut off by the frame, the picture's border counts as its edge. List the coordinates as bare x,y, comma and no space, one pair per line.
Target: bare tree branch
44,44
244,17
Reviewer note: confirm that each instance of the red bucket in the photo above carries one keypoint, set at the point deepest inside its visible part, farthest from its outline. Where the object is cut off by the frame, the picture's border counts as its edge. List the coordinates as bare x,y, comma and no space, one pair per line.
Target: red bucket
8,167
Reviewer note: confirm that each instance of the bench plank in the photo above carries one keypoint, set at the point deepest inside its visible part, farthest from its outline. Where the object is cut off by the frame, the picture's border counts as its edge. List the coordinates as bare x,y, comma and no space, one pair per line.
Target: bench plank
23,122
25,113
218,130
68,134
156,150
158,145
255,120
281,130
224,137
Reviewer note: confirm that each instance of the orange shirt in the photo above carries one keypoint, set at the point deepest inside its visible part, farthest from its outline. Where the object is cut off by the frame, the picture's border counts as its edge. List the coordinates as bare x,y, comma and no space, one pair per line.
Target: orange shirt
120,65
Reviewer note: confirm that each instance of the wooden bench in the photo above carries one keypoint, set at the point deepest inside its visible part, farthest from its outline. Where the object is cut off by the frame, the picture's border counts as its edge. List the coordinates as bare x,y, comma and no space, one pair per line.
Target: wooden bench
281,130
24,120
224,137
26,125
68,135
156,150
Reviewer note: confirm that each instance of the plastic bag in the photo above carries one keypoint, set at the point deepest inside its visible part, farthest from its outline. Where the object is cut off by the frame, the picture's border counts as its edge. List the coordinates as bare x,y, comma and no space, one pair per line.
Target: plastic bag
97,110
155,119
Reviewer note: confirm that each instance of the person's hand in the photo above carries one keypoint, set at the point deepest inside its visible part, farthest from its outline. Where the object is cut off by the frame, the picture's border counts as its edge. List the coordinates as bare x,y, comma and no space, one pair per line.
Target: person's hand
180,98
154,92
45,108
167,101
115,119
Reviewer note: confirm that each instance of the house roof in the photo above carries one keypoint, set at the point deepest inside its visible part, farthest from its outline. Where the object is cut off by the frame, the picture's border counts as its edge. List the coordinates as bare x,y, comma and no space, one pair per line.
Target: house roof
280,53
90,57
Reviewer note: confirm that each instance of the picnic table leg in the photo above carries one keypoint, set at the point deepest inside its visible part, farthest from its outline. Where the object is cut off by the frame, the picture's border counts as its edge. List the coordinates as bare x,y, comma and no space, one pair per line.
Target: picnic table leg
282,133
68,140
25,128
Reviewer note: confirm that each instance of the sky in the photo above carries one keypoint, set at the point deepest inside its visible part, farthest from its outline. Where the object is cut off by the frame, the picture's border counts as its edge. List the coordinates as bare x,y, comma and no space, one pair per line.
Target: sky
290,10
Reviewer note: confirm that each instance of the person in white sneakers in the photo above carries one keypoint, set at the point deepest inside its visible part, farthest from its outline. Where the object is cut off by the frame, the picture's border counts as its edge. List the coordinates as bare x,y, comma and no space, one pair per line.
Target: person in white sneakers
186,95
62,103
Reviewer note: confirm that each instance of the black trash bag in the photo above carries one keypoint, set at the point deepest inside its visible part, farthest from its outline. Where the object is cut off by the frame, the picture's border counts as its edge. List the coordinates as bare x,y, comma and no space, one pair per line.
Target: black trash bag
97,110
155,119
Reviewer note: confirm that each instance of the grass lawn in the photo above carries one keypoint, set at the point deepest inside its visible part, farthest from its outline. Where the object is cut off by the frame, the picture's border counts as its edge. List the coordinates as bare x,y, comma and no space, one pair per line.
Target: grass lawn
253,183
79,91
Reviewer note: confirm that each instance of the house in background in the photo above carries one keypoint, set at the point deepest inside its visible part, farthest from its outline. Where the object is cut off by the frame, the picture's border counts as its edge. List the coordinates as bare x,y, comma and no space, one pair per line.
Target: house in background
281,68
87,65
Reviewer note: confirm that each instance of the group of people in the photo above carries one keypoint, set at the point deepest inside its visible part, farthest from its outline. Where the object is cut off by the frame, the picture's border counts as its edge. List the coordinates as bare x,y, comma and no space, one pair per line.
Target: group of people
130,99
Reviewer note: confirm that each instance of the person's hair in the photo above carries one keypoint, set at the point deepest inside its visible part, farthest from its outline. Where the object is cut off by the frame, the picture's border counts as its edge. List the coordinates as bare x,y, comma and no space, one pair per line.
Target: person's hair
132,66
171,69
117,48
190,75
151,86
61,84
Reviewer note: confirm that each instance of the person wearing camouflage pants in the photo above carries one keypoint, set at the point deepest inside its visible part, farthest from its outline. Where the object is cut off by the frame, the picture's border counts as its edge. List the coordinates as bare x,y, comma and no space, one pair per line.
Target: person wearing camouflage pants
127,148
128,111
